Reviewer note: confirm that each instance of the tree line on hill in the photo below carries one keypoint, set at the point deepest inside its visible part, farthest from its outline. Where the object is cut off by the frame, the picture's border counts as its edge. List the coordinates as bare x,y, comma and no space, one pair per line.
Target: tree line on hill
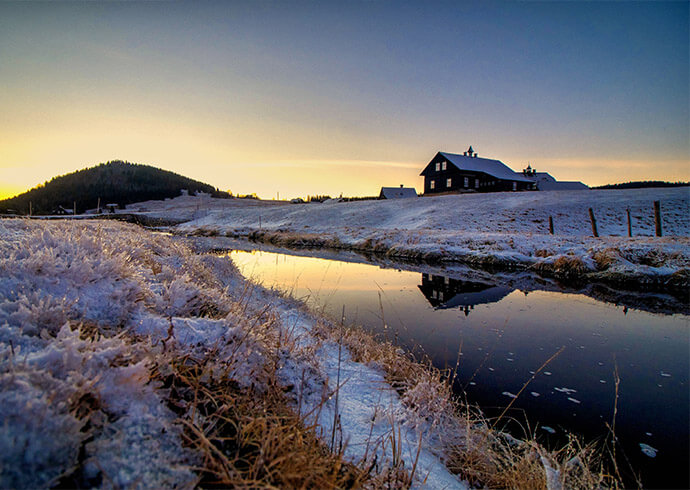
641,184
115,182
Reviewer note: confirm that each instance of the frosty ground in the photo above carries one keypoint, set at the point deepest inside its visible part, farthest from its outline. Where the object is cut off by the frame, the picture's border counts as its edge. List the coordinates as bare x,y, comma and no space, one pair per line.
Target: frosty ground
127,359
504,230
116,344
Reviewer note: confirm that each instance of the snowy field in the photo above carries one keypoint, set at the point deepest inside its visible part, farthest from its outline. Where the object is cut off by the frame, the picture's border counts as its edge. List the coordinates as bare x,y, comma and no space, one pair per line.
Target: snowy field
494,229
91,311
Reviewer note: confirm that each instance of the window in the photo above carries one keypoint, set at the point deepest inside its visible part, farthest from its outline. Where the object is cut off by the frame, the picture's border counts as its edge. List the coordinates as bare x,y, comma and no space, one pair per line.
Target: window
432,184
514,186
443,165
476,183
448,182
438,166
467,181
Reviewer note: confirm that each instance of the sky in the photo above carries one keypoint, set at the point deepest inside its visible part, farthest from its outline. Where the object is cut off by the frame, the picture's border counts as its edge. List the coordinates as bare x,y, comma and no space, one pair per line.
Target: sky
287,99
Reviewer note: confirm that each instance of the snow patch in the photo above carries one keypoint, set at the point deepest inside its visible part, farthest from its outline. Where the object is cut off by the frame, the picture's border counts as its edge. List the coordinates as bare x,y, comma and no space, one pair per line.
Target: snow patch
648,450
567,391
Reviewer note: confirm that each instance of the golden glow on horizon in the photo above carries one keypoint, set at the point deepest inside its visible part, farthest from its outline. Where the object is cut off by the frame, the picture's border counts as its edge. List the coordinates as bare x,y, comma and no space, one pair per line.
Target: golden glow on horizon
262,157
294,178
9,191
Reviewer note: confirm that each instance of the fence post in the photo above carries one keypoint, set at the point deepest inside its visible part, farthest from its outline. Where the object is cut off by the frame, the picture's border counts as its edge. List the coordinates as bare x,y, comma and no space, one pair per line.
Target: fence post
550,225
594,223
657,217
629,223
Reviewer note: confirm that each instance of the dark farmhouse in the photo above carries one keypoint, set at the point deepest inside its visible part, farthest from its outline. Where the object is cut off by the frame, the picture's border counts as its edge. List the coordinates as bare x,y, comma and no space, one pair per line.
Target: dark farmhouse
448,172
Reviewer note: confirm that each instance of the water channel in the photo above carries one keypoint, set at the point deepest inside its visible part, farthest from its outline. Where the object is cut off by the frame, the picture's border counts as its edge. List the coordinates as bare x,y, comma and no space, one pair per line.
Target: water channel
502,329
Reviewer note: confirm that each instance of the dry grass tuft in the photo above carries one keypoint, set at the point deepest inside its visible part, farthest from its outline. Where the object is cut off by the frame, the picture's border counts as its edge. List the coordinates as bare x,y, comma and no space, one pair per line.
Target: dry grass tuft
489,458
565,266
543,253
605,258
251,438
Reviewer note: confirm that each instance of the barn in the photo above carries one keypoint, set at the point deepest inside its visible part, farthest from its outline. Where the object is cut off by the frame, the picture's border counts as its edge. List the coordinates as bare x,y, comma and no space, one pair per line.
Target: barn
450,172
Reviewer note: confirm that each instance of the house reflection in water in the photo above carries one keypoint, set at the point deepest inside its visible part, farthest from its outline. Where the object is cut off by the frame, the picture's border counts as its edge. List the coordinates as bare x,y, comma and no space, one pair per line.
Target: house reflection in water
443,292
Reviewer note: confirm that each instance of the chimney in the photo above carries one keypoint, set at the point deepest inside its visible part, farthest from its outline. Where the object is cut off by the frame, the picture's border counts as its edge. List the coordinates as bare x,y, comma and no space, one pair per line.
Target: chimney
401,186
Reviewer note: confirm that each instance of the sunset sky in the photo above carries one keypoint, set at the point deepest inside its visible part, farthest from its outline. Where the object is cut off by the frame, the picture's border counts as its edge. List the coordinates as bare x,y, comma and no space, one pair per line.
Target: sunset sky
313,97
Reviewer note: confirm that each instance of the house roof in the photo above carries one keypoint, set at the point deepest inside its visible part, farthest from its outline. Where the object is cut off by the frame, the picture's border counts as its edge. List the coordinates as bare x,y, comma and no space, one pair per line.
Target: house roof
495,168
397,192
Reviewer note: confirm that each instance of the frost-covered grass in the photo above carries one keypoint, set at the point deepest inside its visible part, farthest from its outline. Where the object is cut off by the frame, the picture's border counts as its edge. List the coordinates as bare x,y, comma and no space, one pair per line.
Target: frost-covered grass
127,360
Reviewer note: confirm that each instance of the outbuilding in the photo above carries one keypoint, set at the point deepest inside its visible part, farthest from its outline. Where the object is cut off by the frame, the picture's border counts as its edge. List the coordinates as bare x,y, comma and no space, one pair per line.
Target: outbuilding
397,192
546,182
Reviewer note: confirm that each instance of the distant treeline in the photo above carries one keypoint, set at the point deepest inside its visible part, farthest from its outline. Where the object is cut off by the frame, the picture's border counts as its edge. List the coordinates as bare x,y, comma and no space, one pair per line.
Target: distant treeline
641,184
115,182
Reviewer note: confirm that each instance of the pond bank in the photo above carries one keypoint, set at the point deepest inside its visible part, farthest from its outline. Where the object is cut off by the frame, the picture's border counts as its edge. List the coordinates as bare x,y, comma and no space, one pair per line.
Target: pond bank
507,231
631,287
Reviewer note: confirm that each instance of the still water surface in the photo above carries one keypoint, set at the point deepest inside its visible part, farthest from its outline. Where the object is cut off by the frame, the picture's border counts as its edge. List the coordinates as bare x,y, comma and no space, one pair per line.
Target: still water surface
502,336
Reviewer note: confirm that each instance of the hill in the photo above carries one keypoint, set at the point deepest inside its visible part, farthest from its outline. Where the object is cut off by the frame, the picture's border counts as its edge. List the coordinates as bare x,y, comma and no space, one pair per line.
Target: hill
113,182
643,184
